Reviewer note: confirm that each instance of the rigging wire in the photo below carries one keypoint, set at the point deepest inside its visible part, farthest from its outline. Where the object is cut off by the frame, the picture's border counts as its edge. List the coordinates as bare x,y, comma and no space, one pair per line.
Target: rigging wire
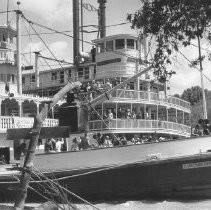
30,40
66,31
32,22
40,194
42,33
46,63
42,26
205,49
58,185
44,43
3,12
194,66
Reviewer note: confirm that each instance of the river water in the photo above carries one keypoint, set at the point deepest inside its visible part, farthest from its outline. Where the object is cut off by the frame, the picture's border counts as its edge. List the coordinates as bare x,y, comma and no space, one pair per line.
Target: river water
159,205
144,205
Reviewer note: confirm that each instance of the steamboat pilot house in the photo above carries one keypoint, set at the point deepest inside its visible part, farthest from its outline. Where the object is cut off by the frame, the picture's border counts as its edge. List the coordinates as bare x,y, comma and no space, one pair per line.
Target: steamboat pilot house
143,107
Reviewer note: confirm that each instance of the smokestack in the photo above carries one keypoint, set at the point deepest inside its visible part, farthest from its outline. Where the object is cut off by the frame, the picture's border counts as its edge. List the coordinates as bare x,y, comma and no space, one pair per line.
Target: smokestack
102,18
76,32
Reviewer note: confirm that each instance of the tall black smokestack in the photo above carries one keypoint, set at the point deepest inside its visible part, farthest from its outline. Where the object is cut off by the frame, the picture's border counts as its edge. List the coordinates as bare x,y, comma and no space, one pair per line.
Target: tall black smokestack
76,32
102,18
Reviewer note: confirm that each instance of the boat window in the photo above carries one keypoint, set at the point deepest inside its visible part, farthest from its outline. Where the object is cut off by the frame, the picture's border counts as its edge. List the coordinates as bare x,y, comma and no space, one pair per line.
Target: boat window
14,78
61,76
86,72
119,44
32,79
80,72
54,76
69,73
100,47
130,44
8,78
136,45
23,80
109,46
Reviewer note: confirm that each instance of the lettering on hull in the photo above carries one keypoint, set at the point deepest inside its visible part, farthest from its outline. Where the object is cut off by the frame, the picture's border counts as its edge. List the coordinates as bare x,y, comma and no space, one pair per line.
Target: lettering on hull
196,165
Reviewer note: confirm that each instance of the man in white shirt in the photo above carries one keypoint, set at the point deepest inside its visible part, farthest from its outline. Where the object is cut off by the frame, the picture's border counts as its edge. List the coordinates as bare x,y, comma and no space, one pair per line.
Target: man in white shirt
59,143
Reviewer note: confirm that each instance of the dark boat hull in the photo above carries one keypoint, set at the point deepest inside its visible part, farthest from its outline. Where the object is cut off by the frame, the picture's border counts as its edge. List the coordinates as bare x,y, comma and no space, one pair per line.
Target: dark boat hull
158,179
174,169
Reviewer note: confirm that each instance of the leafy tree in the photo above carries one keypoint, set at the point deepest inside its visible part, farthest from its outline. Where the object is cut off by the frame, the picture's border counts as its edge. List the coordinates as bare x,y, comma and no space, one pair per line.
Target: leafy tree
196,114
173,23
177,95
192,95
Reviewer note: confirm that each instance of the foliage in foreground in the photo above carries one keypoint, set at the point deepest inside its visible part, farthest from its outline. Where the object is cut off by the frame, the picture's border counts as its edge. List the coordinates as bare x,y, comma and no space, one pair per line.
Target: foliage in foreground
172,23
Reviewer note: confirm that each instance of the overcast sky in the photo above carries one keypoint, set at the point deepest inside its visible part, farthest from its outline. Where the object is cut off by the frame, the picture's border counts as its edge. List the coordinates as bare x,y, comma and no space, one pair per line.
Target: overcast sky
57,14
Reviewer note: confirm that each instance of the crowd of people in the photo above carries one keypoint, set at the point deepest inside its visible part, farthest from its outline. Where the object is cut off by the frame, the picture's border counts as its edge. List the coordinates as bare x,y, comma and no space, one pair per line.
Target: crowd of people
121,113
203,128
54,145
95,88
110,140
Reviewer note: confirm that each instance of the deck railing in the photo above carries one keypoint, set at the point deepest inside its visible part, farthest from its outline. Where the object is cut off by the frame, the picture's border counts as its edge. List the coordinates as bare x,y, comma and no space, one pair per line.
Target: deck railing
136,125
22,122
141,96
149,96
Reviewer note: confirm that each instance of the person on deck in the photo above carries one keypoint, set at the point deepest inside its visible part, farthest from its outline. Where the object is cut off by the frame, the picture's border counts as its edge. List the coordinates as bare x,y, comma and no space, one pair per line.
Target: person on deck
48,146
110,114
59,143
100,140
74,146
108,142
2,159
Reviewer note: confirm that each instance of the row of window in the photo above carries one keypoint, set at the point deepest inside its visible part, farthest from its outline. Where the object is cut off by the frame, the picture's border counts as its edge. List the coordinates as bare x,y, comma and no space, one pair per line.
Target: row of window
8,78
54,76
3,37
117,44
83,72
59,76
3,54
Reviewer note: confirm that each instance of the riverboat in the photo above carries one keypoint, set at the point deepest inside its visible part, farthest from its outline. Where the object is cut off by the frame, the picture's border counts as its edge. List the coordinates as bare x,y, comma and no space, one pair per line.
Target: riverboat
120,98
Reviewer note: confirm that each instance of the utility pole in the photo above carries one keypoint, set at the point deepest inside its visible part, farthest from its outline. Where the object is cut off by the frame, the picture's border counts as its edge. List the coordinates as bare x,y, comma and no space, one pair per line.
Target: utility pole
18,14
82,33
202,82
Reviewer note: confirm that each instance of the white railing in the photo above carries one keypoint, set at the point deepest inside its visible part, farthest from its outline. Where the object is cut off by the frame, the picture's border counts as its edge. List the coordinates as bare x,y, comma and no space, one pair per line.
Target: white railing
141,96
22,122
136,125
149,96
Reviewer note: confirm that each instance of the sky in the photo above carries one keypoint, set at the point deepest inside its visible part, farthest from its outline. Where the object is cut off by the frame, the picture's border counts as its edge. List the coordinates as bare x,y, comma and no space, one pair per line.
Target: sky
57,14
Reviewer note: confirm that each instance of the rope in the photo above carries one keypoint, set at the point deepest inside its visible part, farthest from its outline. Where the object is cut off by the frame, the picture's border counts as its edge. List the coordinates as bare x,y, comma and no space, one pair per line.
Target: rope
55,188
46,198
57,184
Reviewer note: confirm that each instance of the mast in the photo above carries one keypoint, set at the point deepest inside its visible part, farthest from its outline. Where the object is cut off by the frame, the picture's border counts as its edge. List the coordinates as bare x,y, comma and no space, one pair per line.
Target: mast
76,33
8,13
8,33
18,13
102,18
37,75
